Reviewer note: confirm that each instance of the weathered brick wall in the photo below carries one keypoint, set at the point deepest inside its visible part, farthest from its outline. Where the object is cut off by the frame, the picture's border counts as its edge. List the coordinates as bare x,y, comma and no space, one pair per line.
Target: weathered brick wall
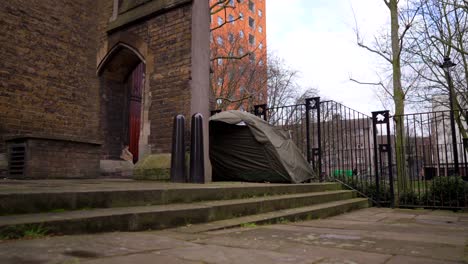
169,38
105,8
48,84
61,159
170,82
113,110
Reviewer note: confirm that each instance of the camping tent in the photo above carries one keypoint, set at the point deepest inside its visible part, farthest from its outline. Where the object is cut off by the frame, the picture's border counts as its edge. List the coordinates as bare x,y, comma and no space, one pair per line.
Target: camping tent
244,147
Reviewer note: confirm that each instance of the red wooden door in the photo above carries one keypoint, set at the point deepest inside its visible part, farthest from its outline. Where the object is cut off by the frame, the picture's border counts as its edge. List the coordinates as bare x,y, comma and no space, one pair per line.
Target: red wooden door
136,88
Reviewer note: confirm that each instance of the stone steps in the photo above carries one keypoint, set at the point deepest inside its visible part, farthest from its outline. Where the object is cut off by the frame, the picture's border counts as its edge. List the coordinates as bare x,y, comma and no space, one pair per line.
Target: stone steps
136,218
281,216
140,206
44,198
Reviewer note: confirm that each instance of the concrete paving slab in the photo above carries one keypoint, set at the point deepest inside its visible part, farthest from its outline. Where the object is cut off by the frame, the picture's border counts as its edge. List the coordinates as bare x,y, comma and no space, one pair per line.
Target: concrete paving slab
275,243
439,218
402,234
446,212
82,247
415,260
141,258
235,255
343,239
415,226
412,211
189,237
372,216
395,216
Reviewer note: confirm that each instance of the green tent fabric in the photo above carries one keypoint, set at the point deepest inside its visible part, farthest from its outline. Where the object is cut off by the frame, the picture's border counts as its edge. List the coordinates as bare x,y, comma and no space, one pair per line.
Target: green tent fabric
244,147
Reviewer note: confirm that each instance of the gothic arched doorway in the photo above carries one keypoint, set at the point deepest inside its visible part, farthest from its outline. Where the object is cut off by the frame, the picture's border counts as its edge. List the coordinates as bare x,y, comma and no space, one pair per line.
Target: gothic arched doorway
122,82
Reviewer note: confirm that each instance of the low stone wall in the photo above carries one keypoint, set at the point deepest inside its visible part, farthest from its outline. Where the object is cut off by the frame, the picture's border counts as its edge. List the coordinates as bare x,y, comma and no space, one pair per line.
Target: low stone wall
58,159
154,167
116,168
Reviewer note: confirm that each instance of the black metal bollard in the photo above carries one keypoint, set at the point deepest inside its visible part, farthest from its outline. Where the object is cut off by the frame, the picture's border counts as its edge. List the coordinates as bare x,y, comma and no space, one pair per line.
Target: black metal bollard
197,161
178,150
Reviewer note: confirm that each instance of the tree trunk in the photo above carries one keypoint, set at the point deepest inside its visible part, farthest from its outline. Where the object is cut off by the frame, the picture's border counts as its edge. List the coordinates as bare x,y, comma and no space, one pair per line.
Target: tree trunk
399,99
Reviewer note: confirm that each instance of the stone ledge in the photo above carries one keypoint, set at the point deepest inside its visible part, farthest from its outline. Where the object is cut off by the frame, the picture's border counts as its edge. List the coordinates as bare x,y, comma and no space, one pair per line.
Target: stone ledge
54,138
143,11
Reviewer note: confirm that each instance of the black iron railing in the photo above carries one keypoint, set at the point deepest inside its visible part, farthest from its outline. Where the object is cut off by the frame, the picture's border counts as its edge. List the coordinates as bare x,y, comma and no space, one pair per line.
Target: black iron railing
411,160
430,164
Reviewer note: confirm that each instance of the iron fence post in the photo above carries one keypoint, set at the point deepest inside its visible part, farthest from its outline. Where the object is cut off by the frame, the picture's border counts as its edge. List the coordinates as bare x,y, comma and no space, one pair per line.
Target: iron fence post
378,117
376,166
261,111
314,104
319,136
446,67
307,105
390,165
452,124
465,147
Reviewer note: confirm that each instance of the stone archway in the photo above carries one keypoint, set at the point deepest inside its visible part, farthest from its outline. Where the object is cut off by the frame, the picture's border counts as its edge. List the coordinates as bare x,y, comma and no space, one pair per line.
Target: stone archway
123,100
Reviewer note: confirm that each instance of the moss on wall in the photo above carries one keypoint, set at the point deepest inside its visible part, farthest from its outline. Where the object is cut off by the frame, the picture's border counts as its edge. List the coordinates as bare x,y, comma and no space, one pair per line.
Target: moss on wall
153,167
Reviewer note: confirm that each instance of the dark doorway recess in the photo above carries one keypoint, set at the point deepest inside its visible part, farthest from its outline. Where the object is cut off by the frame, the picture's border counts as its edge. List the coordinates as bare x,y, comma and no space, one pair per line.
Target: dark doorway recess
122,81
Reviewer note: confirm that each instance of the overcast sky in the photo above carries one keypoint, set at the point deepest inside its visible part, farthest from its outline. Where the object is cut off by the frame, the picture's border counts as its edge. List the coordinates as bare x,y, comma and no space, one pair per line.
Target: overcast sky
317,38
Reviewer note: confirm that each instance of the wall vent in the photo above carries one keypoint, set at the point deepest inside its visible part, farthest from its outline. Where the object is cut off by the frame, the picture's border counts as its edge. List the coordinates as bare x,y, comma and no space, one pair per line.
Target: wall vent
17,159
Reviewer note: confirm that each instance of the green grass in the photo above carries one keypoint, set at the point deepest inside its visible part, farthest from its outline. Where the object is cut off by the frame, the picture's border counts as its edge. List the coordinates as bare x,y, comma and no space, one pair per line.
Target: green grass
249,225
23,232
35,232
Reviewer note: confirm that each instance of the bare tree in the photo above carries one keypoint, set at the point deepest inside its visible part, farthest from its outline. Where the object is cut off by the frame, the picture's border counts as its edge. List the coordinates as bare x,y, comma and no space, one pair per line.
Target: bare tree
282,82
441,31
239,76
389,47
238,66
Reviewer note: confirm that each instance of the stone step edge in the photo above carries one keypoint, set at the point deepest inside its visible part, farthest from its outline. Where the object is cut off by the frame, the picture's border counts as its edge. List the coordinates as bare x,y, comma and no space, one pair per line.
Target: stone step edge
26,203
37,218
295,214
136,222
188,187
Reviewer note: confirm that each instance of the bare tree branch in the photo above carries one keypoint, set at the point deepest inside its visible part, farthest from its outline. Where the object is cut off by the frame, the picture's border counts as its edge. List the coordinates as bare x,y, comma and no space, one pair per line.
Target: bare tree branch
450,45
231,57
387,3
381,54
225,22
374,84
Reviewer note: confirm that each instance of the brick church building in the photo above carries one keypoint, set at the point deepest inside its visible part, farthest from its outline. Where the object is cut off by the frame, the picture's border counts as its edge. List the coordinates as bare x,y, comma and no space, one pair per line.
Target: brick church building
84,84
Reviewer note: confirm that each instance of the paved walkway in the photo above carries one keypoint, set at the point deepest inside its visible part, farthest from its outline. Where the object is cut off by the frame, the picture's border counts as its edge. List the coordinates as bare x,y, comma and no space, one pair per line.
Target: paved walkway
374,235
